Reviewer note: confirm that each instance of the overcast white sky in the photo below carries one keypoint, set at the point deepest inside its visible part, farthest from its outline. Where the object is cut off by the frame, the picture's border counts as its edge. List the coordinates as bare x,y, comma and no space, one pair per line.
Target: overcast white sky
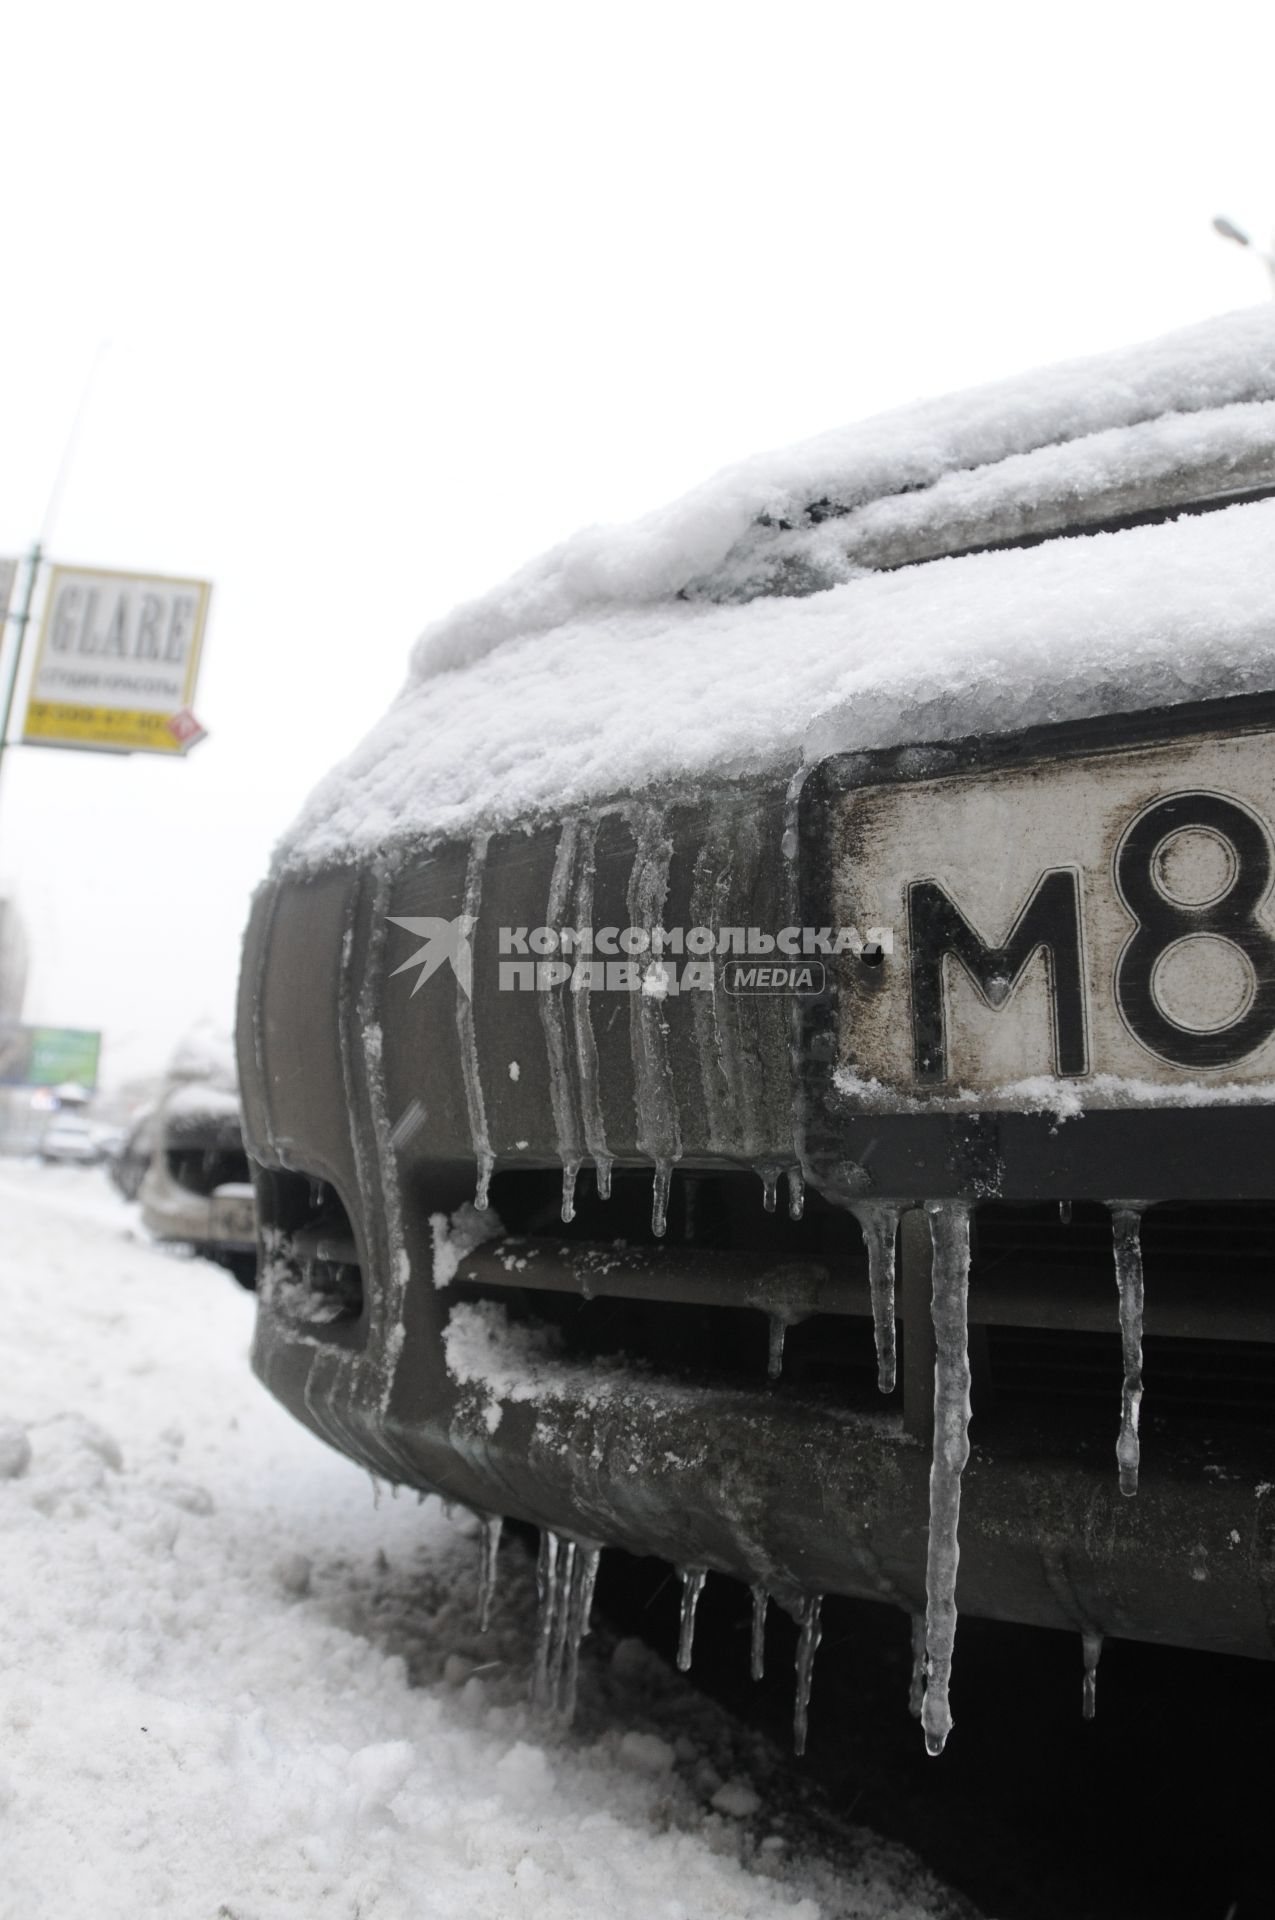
398,295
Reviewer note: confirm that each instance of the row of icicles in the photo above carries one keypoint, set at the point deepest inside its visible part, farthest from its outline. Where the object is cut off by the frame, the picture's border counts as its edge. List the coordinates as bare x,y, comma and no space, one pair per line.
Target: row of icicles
566,1577
568,1572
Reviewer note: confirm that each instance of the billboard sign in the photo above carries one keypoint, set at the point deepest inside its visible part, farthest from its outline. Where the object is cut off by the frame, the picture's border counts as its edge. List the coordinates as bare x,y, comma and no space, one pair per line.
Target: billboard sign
117,663
48,1056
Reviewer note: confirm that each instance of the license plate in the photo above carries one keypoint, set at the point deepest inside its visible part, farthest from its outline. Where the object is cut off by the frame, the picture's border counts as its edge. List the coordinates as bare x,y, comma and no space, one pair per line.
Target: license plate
1099,918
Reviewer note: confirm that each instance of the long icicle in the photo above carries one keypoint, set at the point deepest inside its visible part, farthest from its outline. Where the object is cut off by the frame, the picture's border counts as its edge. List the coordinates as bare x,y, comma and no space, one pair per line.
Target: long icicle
562,1599
757,1641
1126,1230
879,1224
693,1579
546,1596
659,1197
489,1549
950,1239
591,1116
579,1616
470,1070
807,1647
1091,1644
916,1690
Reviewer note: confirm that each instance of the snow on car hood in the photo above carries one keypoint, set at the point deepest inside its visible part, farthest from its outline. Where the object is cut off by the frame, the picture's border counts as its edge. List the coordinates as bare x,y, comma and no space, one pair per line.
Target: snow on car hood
598,669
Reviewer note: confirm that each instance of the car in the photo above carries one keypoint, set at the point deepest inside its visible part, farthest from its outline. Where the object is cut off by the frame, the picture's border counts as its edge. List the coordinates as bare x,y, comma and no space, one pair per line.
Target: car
70,1142
196,1190
132,1153
795,969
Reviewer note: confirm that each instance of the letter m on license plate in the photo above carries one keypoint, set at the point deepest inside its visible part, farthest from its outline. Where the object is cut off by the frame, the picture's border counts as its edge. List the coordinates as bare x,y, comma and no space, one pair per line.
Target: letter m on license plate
1089,905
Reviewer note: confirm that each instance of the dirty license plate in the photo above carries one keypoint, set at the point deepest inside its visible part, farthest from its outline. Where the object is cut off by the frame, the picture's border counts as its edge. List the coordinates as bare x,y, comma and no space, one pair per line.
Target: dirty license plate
1101,918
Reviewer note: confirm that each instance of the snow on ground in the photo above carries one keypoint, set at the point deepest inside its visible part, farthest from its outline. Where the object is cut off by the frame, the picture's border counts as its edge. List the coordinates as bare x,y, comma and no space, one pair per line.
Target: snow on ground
232,1687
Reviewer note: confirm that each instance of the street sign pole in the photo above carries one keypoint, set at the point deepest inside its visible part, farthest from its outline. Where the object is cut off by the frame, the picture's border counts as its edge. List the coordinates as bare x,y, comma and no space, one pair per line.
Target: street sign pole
23,617
22,620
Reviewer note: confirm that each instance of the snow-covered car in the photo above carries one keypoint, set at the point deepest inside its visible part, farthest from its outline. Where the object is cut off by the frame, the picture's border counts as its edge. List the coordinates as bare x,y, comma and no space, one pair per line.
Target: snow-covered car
70,1142
132,1154
196,1189
789,966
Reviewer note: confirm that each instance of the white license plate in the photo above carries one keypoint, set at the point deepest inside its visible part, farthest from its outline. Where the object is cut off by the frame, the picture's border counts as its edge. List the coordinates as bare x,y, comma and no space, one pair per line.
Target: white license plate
1104,921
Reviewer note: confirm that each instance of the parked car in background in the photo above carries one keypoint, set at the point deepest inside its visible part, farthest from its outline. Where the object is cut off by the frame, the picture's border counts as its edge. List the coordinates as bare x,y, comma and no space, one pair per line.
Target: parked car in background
859,872
69,1141
132,1156
196,1188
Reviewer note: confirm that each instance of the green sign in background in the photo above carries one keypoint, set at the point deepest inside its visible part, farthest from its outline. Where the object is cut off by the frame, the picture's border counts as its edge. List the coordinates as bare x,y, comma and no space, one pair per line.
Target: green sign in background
48,1056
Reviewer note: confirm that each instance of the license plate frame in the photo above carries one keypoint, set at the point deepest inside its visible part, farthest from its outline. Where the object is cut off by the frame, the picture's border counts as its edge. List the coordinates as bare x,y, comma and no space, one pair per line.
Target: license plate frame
872,1119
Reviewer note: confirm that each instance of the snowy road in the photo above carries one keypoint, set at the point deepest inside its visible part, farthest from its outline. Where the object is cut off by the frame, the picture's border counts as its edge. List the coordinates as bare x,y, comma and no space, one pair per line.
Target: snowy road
232,1688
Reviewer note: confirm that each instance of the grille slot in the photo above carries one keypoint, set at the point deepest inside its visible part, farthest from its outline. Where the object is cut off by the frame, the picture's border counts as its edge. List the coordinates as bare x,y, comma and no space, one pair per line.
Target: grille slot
312,1270
1043,1302
1209,1378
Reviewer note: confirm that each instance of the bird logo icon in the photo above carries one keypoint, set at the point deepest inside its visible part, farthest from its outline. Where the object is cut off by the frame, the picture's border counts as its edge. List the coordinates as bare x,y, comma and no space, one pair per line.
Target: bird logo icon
444,940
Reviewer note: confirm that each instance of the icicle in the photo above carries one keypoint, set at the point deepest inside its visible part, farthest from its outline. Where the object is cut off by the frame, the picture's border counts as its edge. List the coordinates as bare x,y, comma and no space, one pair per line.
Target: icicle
1126,1226
490,1548
315,1188
591,1118
376,1490
566,1574
546,1598
1092,1645
659,1132
916,1692
757,1645
796,1194
470,1074
1064,1212
807,1647
579,1614
778,1334
552,1005
561,1621
659,1197
769,1184
879,1224
693,1579
950,1239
